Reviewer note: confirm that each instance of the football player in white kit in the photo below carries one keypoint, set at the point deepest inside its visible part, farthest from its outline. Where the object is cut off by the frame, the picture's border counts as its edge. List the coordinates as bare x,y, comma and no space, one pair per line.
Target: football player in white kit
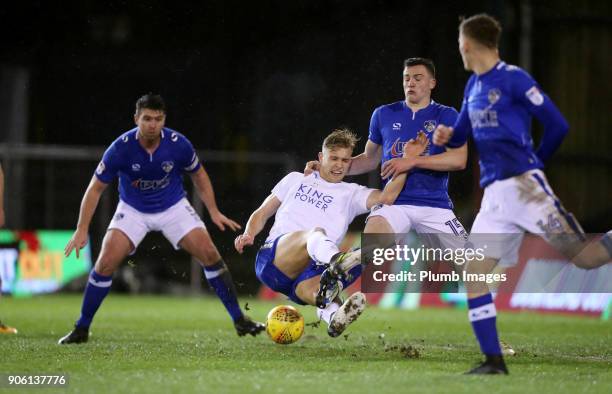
312,215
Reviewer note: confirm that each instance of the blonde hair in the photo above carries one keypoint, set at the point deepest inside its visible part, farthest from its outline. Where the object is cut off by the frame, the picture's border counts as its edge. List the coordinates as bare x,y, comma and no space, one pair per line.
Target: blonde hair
341,138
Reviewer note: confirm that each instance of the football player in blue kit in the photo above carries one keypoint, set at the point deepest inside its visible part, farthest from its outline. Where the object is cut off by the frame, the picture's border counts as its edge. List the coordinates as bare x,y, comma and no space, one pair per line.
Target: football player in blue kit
499,102
423,204
150,161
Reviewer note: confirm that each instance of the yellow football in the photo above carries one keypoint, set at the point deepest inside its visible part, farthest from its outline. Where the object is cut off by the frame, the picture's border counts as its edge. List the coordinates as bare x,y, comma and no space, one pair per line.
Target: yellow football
284,324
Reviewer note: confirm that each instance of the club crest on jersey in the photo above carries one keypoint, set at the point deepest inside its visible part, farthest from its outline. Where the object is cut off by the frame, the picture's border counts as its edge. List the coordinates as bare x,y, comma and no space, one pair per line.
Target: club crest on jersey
430,125
167,166
535,96
494,95
135,167
397,126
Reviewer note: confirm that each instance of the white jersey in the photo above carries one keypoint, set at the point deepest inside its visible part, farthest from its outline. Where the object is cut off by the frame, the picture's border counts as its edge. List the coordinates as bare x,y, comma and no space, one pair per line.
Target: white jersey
309,201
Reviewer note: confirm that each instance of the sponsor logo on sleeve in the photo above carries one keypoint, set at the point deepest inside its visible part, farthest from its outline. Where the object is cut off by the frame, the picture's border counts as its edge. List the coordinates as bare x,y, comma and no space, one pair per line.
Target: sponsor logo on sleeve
535,96
101,168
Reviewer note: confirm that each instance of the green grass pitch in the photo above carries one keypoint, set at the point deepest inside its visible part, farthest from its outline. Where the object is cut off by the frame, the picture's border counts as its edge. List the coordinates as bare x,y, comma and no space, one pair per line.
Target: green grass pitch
182,345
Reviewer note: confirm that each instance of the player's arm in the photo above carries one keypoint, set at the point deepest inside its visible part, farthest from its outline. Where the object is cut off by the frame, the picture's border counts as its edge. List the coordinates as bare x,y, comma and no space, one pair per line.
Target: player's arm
388,195
454,159
527,92
2,217
366,161
205,190
86,212
456,135
256,222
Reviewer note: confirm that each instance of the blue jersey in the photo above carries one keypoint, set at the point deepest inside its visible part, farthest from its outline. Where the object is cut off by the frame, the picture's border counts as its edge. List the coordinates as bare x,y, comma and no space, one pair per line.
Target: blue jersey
391,126
150,183
497,110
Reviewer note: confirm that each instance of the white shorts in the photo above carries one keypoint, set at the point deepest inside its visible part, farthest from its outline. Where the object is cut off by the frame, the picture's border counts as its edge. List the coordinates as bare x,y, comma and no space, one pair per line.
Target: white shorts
175,222
439,226
522,203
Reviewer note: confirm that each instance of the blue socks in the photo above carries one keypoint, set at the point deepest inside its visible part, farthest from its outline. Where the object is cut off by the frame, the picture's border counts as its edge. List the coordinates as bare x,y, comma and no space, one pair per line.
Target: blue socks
97,288
483,317
220,280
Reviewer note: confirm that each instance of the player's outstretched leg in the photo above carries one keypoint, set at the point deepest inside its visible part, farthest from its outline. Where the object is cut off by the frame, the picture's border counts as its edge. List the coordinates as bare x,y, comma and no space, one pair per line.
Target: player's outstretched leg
115,247
346,314
331,280
198,244
336,314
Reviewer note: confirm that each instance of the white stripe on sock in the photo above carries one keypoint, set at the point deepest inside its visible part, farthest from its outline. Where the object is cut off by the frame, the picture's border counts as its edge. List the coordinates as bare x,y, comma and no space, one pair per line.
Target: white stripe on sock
106,283
213,274
327,313
482,312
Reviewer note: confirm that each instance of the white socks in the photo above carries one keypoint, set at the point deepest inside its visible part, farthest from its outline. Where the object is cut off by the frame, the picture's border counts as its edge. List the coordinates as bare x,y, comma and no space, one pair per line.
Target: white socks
327,313
320,248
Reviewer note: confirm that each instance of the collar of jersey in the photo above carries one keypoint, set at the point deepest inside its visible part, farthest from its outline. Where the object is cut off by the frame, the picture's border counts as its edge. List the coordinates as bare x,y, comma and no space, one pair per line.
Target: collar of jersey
136,133
422,110
493,70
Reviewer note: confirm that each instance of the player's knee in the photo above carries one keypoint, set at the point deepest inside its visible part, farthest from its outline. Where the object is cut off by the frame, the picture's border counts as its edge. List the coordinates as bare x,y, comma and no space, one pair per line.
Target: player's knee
105,266
209,256
378,225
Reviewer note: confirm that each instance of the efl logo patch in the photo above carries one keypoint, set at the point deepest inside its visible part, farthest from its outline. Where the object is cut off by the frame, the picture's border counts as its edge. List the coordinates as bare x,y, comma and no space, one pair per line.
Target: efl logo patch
135,167
535,96
397,126
101,168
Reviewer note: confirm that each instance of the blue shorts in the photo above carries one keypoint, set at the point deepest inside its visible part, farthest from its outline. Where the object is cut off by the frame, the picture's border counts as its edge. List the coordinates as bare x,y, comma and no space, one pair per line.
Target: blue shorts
271,276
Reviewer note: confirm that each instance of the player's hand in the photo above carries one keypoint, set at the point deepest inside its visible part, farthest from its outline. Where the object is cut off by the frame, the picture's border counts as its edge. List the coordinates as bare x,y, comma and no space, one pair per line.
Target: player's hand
220,220
243,240
412,149
442,135
394,167
416,147
311,167
77,242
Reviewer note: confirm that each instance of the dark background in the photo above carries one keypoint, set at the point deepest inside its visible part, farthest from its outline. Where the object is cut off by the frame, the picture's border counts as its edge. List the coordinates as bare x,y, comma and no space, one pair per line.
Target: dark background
277,76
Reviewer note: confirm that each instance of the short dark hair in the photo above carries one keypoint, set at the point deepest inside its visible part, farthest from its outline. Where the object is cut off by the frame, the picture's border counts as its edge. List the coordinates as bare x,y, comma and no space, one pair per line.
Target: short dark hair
151,101
421,61
341,138
482,28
